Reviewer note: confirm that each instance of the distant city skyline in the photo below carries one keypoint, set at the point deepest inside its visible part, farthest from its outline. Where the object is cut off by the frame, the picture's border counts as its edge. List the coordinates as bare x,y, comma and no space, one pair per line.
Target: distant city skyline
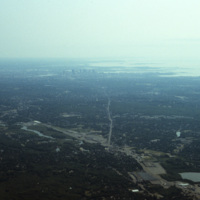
152,29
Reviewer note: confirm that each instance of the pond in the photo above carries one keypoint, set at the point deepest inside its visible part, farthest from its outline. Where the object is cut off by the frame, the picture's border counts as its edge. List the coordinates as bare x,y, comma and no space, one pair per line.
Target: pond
193,176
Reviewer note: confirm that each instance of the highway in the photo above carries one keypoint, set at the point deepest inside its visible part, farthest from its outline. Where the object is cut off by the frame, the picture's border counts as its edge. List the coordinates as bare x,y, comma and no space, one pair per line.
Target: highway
111,122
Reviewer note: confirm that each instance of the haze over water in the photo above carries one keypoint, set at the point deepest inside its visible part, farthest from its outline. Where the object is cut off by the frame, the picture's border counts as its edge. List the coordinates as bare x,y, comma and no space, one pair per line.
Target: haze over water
173,68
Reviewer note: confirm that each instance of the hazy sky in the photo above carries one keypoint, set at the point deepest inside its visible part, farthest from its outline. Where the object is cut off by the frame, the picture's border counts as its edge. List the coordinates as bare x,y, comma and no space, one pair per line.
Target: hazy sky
100,28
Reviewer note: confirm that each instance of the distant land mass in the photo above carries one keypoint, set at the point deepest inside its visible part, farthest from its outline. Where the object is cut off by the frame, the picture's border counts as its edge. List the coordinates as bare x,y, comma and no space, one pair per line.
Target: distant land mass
99,129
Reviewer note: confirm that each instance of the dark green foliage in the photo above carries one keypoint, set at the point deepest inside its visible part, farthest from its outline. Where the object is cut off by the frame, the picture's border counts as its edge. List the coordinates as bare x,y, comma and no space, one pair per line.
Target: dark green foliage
146,109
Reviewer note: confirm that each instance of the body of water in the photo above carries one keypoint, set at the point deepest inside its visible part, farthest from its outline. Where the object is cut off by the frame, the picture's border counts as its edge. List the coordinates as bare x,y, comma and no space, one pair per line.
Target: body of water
193,176
37,132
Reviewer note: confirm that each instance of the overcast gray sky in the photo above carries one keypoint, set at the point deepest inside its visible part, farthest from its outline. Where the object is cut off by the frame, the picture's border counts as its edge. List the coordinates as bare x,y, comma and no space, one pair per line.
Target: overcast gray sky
100,28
